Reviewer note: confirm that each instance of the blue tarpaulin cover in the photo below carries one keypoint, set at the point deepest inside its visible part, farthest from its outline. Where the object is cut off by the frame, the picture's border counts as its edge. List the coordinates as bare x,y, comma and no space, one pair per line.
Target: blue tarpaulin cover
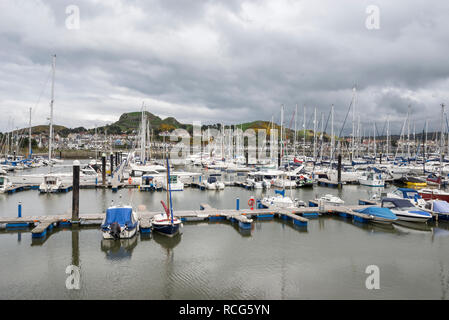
281,192
120,215
440,206
379,212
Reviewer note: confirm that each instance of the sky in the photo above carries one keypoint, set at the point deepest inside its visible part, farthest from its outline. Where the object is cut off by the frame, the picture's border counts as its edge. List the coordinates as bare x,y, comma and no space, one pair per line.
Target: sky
225,61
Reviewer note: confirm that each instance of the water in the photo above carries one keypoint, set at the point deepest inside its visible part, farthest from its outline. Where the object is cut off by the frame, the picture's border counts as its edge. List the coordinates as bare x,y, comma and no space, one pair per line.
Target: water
275,260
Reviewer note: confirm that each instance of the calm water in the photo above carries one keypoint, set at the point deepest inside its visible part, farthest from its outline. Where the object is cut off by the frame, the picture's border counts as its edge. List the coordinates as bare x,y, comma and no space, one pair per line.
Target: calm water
275,260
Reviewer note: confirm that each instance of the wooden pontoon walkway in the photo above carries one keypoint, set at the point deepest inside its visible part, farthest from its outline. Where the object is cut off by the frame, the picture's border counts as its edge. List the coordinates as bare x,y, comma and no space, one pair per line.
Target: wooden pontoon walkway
244,217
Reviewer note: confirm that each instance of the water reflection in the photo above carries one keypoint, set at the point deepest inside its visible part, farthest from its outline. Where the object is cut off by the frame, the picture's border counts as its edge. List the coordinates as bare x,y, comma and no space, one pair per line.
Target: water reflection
412,227
118,249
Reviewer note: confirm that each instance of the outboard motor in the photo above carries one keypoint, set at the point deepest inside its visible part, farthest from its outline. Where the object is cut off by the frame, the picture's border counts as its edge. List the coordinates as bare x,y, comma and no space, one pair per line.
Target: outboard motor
115,230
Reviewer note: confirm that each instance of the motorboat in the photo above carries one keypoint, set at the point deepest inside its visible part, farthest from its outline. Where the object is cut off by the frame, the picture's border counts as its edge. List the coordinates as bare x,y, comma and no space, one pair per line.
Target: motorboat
120,222
51,184
413,181
330,200
379,214
213,182
408,193
372,179
405,210
279,200
439,207
434,194
5,183
175,183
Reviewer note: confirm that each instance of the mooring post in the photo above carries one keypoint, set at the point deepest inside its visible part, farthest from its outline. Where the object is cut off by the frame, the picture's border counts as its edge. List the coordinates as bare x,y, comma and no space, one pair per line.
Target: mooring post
112,163
380,159
103,168
76,192
19,213
14,156
339,171
237,203
279,159
350,157
116,159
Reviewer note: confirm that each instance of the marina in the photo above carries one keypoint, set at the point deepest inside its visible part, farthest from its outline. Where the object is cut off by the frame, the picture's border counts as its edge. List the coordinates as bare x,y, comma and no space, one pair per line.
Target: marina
244,150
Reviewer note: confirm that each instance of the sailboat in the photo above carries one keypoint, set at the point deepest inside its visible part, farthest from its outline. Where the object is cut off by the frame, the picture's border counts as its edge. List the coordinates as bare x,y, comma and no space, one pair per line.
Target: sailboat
165,222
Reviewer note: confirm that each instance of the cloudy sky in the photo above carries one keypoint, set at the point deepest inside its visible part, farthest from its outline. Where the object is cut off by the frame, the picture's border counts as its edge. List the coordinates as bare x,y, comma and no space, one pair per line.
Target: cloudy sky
223,61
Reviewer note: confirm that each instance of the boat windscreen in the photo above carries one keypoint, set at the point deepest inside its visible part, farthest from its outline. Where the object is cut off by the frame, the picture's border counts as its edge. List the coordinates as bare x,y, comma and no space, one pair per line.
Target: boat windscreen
398,203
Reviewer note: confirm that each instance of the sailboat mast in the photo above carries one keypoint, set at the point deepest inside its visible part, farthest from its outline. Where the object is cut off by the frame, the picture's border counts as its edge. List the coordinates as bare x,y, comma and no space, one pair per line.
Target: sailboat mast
282,132
353,120
294,141
388,136
408,132
322,136
29,137
51,109
314,135
332,133
441,141
304,137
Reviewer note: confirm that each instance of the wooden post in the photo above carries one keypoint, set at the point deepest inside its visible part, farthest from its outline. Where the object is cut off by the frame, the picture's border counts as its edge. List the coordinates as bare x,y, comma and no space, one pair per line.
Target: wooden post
339,171
111,160
381,158
76,192
103,169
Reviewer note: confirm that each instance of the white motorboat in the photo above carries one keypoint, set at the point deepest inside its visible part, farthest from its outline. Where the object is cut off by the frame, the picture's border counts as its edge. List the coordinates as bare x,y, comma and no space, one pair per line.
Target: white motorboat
51,184
120,223
175,183
330,199
213,182
371,179
5,183
405,210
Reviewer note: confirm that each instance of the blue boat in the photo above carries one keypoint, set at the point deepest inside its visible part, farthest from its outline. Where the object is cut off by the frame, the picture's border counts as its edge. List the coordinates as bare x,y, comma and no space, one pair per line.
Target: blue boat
381,215
120,223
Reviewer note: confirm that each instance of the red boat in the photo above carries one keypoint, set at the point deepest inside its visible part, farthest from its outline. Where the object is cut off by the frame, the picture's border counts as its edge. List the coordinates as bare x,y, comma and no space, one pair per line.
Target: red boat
433,179
431,194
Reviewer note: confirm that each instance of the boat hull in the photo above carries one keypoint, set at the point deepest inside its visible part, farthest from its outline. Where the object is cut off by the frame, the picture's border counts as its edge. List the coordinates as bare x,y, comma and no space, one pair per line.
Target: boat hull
166,229
124,234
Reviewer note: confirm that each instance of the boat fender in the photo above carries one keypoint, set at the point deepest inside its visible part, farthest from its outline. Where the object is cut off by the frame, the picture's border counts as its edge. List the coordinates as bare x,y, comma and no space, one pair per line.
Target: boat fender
130,180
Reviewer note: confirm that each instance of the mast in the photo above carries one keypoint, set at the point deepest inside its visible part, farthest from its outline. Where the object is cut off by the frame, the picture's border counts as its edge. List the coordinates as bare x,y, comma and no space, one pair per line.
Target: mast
294,141
51,109
441,141
425,143
408,132
142,134
282,132
314,135
304,130
322,136
353,119
374,141
332,134
388,136
29,138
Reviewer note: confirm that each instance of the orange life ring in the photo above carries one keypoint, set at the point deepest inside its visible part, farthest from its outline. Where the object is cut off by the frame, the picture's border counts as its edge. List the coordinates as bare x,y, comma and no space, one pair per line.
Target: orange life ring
130,180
